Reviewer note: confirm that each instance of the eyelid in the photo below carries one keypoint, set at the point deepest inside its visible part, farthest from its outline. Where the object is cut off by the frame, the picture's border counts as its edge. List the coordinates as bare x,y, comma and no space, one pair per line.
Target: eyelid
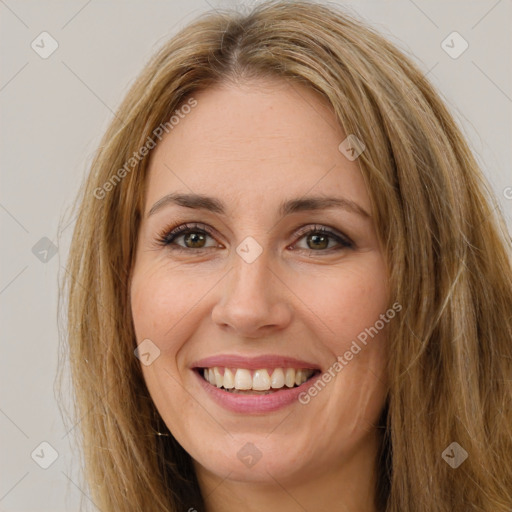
182,229
320,228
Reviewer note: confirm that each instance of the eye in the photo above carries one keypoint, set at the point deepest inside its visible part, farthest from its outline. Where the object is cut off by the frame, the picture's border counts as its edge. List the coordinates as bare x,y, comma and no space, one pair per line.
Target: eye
195,235
319,237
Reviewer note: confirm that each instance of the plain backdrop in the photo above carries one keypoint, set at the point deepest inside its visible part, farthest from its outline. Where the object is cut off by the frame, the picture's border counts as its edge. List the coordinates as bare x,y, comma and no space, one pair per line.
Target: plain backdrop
53,113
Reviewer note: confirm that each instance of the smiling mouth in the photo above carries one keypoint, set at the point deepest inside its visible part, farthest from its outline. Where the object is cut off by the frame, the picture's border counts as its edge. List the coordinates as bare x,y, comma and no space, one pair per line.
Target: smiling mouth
256,382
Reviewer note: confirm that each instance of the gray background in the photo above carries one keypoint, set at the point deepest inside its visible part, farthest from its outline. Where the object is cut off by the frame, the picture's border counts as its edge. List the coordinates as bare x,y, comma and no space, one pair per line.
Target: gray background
54,112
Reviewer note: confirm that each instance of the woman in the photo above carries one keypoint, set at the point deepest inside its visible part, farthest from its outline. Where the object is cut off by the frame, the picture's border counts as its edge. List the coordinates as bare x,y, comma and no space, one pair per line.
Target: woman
290,286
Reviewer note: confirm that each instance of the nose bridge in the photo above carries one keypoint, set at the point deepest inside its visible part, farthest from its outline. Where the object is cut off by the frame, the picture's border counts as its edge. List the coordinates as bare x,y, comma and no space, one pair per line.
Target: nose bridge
252,273
251,298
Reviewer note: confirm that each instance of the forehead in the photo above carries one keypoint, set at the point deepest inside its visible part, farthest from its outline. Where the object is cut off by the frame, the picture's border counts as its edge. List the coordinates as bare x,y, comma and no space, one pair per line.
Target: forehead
261,141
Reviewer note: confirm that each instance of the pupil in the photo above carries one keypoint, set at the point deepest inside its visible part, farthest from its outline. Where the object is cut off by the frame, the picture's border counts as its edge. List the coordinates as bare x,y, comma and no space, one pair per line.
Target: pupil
316,238
194,238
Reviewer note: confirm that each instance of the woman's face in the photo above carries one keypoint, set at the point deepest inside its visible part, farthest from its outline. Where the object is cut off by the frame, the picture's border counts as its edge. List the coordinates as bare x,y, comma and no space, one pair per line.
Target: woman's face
254,292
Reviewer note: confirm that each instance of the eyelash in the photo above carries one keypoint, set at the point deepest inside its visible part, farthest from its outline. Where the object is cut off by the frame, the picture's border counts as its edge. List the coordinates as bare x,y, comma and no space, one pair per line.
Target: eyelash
167,237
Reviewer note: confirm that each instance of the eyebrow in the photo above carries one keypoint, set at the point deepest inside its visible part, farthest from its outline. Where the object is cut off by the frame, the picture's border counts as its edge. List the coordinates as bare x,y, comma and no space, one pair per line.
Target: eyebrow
212,204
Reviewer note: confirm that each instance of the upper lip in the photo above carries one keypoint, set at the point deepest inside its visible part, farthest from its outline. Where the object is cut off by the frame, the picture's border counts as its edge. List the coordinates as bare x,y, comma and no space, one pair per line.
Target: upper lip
254,363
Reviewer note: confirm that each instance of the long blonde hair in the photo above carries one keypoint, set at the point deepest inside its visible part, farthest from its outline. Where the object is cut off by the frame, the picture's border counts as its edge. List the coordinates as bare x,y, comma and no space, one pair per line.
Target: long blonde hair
445,242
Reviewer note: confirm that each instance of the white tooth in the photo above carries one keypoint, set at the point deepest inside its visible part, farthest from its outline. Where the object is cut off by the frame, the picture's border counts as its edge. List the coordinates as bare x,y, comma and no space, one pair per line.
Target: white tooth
219,379
260,380
290,377
243,379
277,380
229,380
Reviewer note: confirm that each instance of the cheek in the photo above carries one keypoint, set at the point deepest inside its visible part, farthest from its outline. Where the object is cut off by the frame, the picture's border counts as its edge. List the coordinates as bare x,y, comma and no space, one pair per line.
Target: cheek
160,301
160,304
348,300
347,305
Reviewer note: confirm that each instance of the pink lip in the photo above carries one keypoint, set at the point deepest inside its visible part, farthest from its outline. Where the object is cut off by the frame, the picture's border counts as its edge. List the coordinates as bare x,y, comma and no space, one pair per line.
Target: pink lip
253,363
247,404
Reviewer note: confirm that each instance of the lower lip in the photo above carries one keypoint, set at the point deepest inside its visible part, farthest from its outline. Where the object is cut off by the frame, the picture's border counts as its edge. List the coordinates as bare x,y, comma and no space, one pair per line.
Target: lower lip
243,403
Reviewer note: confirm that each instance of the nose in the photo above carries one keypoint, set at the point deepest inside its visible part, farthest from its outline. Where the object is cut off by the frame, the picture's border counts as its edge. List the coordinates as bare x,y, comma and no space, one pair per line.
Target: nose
253,301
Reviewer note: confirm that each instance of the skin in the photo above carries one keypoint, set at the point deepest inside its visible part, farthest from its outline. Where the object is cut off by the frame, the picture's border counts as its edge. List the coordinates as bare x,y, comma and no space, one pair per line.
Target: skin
254,145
